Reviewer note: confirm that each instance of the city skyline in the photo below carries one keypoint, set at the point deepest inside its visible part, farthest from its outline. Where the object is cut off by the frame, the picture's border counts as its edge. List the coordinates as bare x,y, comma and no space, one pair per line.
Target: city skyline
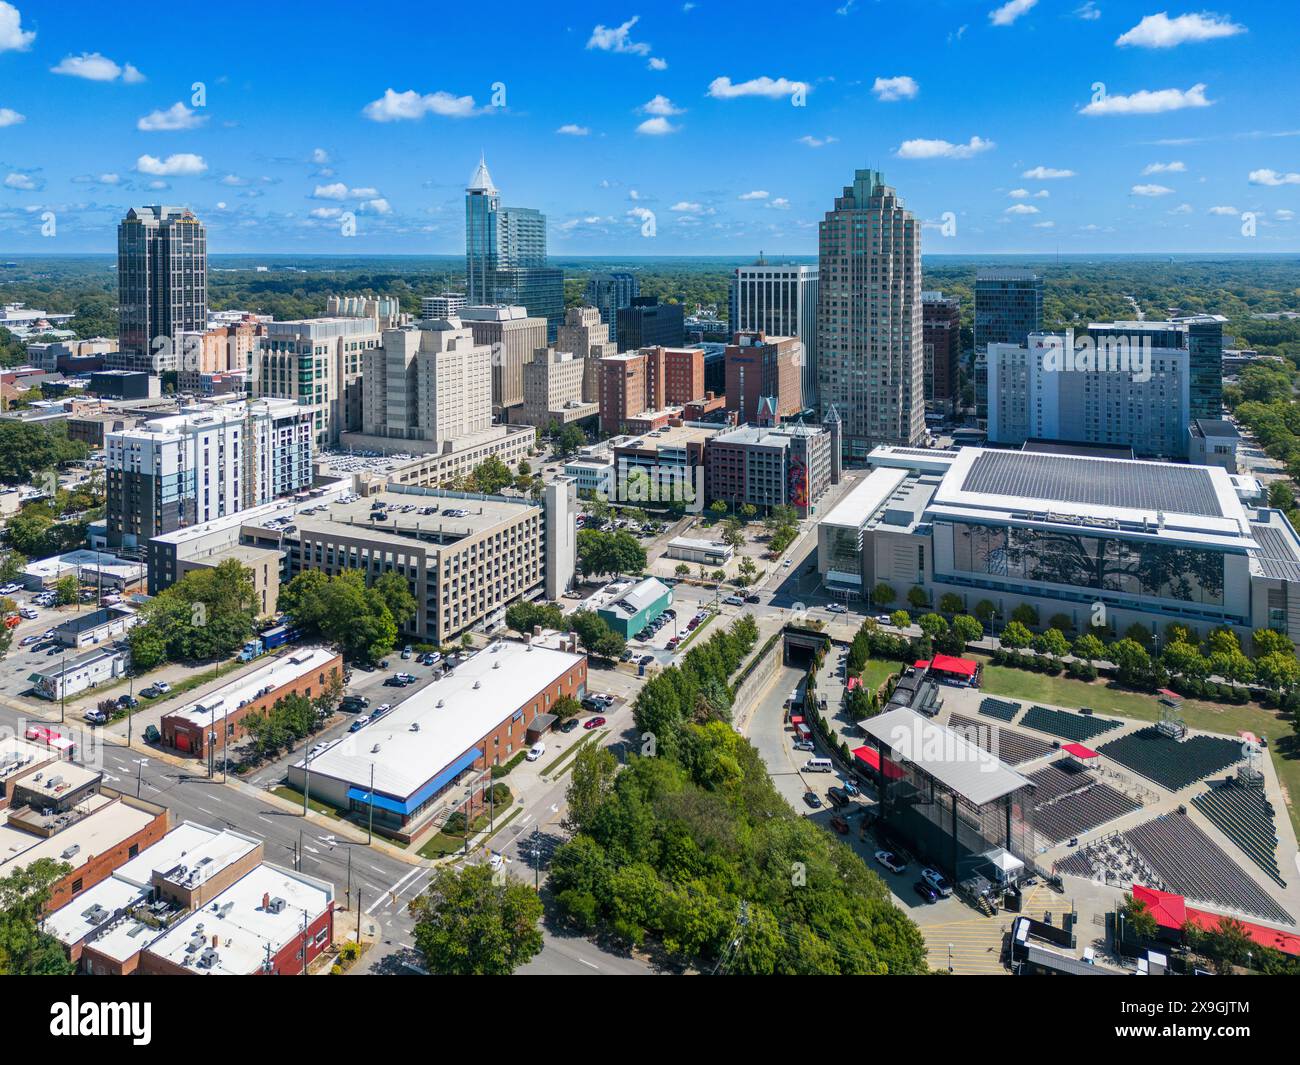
1141,138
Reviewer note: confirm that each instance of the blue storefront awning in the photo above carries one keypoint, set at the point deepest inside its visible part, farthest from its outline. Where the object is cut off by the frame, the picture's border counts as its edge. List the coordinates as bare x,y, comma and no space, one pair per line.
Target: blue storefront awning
417,798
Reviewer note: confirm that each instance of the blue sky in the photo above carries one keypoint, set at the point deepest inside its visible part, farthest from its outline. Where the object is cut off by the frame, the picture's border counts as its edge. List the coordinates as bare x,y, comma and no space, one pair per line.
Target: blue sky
665,129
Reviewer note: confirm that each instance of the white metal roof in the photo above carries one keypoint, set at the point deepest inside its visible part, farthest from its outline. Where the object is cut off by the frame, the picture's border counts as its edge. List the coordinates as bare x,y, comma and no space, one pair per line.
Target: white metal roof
280,671
853,511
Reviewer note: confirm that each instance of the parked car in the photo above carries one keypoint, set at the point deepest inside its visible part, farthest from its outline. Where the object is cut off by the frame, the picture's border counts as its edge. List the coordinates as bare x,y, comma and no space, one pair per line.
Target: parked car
407,652
382,708
569,725
840,825
927,893
753,597
891,861
592,704
27,613
849,787
788,563
883,619
96,716
672,644
359,724
734,600
536,751
937,881
812,799
150,692
593,722
128,701
647,660
804,745
838,796
838,608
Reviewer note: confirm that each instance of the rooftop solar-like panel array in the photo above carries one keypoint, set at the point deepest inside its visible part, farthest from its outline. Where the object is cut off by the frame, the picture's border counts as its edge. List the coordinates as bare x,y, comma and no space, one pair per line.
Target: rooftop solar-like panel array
1069,479
1276,556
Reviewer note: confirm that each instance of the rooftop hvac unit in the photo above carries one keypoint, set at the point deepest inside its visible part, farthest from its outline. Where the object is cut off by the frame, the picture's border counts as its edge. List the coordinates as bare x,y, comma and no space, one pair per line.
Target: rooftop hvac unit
478,684
208,958
276,905
374,749
55,781
439,704
415,726
69,852
496,665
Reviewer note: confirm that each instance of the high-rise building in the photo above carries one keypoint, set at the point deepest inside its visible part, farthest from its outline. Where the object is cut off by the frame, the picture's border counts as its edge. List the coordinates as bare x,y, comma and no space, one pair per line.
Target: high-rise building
432,383
1008,307
505,255
871,362
941,337
779,299
553,389
587,336
217,350
162,285
647,323
193,467
443,305
513,334
763,367
609,293
317,363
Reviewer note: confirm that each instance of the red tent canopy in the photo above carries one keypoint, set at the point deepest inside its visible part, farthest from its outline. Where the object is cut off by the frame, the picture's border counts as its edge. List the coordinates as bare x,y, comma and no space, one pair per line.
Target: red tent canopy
1079,750
1171,911
871,757
796,719
962,667
854,683
1167,908
922,663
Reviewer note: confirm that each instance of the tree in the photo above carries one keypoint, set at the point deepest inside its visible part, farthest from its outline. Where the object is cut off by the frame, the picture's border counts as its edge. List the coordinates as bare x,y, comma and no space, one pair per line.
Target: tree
523,616
569,440
733,533
1132,662
718,508
1267,641
1139,917
882,595
565,707
1088,647
933,625
66,589
950,603
917,597
491,475
985,611
12,566
1052,642
592,779
967,628
26,950
1026,615
396,594
602,553
595,634
1016,636
900,619
467,924
747,571
682,570
748,511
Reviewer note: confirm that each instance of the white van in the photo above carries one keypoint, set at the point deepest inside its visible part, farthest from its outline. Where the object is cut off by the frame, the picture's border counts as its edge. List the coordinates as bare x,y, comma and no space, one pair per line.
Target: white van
536,751
792,700
818,765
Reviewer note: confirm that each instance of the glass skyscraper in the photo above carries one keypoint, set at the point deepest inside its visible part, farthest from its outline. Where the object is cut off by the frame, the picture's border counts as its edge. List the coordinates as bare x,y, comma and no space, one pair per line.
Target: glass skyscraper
505,255
1008,307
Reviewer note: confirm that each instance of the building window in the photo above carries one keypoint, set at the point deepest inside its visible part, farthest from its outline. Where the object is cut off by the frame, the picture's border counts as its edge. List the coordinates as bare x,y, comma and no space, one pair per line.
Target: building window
76,886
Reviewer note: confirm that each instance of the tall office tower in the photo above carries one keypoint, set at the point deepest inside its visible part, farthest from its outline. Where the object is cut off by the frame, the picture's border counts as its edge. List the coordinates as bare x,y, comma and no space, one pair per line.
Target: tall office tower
505,255
514,335
587,336
431,383
443,305
941,337
870,357
317,363
162,285
1008,307
191,467
779,299
647,323
609,293
763,367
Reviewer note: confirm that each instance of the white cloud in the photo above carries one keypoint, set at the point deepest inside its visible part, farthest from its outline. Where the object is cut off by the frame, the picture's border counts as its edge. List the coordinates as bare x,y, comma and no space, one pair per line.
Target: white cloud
657,127
234,181
1021,208
377,206
1164,168
1182,208
940,149
320,156
1161,31
336,191
1151,190
685,205
661,105
1223,210
618,38
178,116
96,67
397,106
780,203
1047,173
1149,102
656,63
569,129
899,88
1284,214
1010,11
158,184
325,212
1044,225
1019,194
773,88
23,182
756,194
1042,194
13,38
182,164
10,117
1088,11
364,193
817,142
1273,178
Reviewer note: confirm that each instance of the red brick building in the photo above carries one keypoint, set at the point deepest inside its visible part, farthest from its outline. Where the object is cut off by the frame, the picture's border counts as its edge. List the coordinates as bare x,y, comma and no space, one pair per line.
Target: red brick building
759,366
941,337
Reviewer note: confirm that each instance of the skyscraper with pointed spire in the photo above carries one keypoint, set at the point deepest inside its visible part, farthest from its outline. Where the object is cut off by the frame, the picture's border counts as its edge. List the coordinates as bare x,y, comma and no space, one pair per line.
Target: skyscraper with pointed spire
505,254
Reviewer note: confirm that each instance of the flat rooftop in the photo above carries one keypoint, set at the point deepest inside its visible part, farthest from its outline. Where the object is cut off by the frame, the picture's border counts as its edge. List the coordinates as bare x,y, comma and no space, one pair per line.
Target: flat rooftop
285,669
438,725
93,909
17,755
55,781
672,436
950,758
452,517
94,834
866,497
637,598
186,844
243,927
1278,553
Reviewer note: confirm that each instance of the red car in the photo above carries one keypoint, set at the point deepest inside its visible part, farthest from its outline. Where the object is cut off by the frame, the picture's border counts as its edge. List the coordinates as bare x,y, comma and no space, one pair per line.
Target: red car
592,723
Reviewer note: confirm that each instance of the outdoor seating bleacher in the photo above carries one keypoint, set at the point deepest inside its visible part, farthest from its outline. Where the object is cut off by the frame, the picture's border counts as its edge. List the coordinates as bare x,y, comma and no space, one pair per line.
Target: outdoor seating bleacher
1246,817
1173,764
1068,726
1059,778
1011,746
1002,709
1081,811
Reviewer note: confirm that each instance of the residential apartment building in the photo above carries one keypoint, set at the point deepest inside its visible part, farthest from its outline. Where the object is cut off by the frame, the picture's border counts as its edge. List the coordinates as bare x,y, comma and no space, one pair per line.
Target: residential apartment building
761,367
648,323
505,255
1200,335
770,466
218,349
317,363
162,285
941,337
779,299
586,334
513,334
1008,307
610,292
871,362
553,384
430,383
201,464
1035,394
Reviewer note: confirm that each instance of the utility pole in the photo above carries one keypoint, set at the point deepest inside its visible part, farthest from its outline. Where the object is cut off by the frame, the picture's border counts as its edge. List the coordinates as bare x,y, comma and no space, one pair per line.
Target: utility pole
306,784
304,942
349,894
370,833
358,917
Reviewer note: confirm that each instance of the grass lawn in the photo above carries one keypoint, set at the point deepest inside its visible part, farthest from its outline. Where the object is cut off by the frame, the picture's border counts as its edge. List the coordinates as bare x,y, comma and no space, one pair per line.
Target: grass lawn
443,843
695,632
1064,691
875,672
295,796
